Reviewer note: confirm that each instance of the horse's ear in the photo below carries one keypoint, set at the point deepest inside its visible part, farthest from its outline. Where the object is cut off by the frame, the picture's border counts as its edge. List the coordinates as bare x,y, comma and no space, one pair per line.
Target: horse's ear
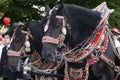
60,8
47,8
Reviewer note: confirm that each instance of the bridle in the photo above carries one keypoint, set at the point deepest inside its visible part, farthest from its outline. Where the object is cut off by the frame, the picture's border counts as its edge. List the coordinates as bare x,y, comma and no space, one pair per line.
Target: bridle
26,46
91,43
60,39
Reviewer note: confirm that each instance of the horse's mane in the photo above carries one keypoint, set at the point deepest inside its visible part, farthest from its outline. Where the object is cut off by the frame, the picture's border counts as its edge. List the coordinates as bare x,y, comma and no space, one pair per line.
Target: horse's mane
35,28
37,32
18,32
82,21
82,16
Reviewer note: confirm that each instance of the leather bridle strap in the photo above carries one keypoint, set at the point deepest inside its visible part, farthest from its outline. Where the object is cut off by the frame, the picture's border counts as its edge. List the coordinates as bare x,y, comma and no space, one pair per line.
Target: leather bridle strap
107,60
15,53
47,39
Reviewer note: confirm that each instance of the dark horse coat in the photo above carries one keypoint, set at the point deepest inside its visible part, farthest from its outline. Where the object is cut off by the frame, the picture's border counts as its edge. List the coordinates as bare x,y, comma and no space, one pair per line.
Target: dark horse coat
80,24
34,31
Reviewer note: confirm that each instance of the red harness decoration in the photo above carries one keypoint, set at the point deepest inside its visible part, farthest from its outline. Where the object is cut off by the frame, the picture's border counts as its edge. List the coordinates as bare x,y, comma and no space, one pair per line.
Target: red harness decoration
82,73
99,34
84,53
35,58
99,41
76,73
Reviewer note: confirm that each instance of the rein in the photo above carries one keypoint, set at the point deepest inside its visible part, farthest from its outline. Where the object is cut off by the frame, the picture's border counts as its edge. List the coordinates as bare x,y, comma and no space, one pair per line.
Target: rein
85,52
98,41
105,12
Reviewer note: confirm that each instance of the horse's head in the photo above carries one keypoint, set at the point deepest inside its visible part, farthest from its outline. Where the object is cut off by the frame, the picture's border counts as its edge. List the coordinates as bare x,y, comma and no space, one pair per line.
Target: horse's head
55,32
67,24
25,40
27,37
18,40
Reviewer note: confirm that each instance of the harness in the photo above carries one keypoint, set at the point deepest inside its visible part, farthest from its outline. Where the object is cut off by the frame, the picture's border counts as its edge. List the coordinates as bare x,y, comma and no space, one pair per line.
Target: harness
93,49
24,48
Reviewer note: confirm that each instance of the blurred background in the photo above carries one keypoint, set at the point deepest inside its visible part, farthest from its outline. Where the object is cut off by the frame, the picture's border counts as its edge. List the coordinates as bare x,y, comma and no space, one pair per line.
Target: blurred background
26,10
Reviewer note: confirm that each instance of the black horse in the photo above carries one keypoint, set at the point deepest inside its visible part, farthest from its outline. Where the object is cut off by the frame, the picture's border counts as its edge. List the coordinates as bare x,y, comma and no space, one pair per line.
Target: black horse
26,41
26,38
78,27
35,32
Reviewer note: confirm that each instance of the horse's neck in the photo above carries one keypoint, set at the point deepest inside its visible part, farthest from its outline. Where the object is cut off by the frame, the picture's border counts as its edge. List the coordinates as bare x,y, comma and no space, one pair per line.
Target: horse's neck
38,43
75,37
80,30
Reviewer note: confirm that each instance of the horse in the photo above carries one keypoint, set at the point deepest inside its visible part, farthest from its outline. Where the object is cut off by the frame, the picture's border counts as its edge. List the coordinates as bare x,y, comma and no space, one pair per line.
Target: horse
27,39
72,33
25,43
32,27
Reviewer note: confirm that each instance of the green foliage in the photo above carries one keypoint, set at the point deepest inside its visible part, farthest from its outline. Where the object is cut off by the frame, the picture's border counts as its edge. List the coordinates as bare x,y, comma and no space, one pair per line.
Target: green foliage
3,6
115,17
23,10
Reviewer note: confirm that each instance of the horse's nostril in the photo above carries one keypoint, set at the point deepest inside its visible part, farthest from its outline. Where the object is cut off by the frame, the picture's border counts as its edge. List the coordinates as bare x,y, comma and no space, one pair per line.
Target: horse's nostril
48,56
